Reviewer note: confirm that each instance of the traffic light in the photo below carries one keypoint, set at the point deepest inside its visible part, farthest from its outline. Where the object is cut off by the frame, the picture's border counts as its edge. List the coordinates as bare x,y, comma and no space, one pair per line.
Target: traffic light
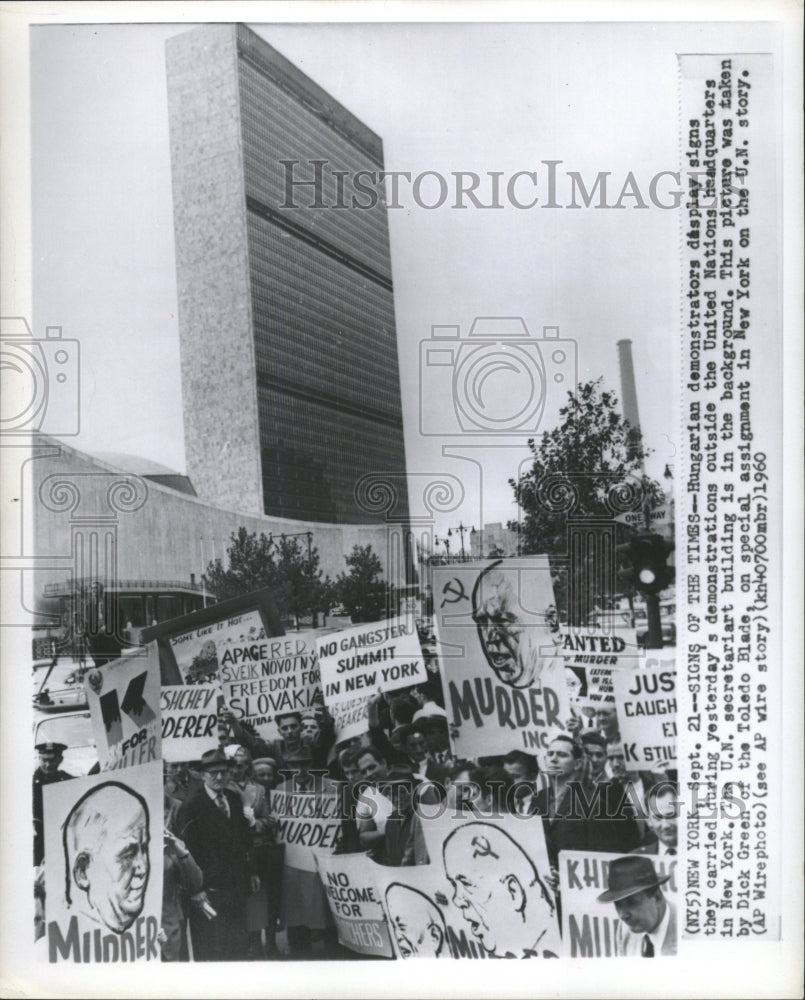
644,563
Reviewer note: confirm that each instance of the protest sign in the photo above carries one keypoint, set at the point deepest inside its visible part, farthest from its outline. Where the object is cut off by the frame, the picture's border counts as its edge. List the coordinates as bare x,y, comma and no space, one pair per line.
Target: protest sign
307,820
589,658
274,675
647,709
124,705
590,929
354,899
504,680
357,663
189,720
490,879
103,866
193,648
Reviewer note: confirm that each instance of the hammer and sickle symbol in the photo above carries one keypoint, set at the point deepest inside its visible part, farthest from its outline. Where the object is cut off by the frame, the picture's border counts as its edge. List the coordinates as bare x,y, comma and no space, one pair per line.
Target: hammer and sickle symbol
454,586
482,848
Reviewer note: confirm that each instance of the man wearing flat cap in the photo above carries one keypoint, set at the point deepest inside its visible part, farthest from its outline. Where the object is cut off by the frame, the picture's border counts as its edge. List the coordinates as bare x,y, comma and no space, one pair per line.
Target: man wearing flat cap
647,917
215,830
47,773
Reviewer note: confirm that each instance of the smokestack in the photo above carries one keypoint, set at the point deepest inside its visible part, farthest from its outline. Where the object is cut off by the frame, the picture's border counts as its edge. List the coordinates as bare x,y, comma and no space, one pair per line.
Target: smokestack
628,389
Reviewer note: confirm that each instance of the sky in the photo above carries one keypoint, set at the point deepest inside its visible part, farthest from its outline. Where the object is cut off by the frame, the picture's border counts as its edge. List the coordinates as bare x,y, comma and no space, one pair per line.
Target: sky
443,97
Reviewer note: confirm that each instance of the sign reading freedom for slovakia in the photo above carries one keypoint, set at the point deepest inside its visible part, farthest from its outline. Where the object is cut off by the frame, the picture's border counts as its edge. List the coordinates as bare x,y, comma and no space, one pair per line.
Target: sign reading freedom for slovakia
357,663
261,679
189,720
103,866
589,928
354,899
647,709
307,820
499,642
124,706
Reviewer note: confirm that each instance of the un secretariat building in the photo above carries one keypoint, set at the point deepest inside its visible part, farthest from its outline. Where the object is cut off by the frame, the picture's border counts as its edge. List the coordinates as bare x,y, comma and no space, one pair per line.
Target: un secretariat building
289,356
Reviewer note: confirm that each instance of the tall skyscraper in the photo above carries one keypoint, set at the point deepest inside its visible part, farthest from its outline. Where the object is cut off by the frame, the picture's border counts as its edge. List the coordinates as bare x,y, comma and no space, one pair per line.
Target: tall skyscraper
290,374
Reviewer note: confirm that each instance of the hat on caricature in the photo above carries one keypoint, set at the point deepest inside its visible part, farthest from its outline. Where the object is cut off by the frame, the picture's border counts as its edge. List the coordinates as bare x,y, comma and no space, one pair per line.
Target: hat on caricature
631,875
57,748
213,758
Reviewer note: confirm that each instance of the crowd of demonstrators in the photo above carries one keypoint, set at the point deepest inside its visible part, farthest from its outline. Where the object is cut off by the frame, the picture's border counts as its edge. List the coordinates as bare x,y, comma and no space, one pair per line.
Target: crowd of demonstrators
228,881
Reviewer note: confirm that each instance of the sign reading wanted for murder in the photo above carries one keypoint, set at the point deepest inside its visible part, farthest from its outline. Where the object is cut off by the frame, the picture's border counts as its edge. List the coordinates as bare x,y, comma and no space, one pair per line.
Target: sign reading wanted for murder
499,638
358,662
103,866
353,895
124,705
647,709
591,928
485,893
189,720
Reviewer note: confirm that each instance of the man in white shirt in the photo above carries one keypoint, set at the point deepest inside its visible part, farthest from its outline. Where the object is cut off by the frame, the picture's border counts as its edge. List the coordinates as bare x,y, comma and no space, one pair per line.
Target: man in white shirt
373,808
662,815
647,926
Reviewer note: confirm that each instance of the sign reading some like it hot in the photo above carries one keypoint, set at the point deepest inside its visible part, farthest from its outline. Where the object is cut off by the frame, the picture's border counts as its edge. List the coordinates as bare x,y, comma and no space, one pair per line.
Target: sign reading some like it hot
357,663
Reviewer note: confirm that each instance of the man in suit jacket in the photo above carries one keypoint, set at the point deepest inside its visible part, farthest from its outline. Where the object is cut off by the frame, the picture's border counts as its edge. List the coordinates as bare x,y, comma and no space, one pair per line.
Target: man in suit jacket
215,830
647,916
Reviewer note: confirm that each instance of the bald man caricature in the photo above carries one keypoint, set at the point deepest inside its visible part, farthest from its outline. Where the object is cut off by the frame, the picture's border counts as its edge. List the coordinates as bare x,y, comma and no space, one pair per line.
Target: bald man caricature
417,922
106,840
498,891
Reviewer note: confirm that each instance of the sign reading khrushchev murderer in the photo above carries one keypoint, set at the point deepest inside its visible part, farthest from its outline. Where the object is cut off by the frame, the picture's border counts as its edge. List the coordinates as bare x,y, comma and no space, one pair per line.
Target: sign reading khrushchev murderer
357,663
305,821
124,705
189,720
500,643
103,866
354,900
647,710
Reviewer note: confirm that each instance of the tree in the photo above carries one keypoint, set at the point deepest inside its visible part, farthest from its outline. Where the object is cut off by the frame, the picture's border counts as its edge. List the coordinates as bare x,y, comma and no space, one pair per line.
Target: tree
286,566
592,439
362,591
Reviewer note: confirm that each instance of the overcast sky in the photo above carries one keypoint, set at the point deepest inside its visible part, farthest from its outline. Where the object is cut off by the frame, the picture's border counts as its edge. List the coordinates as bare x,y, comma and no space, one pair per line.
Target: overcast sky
443,97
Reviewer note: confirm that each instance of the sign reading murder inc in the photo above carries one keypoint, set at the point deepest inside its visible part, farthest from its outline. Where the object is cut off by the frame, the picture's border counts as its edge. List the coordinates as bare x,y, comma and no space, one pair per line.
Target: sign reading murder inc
353,895
103,866
306,821
647,708
359,662
590,928
124,705
499,638
189,720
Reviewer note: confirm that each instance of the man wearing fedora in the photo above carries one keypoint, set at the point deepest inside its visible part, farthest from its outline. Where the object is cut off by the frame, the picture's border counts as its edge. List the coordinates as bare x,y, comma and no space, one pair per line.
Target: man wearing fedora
647,917
215,830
